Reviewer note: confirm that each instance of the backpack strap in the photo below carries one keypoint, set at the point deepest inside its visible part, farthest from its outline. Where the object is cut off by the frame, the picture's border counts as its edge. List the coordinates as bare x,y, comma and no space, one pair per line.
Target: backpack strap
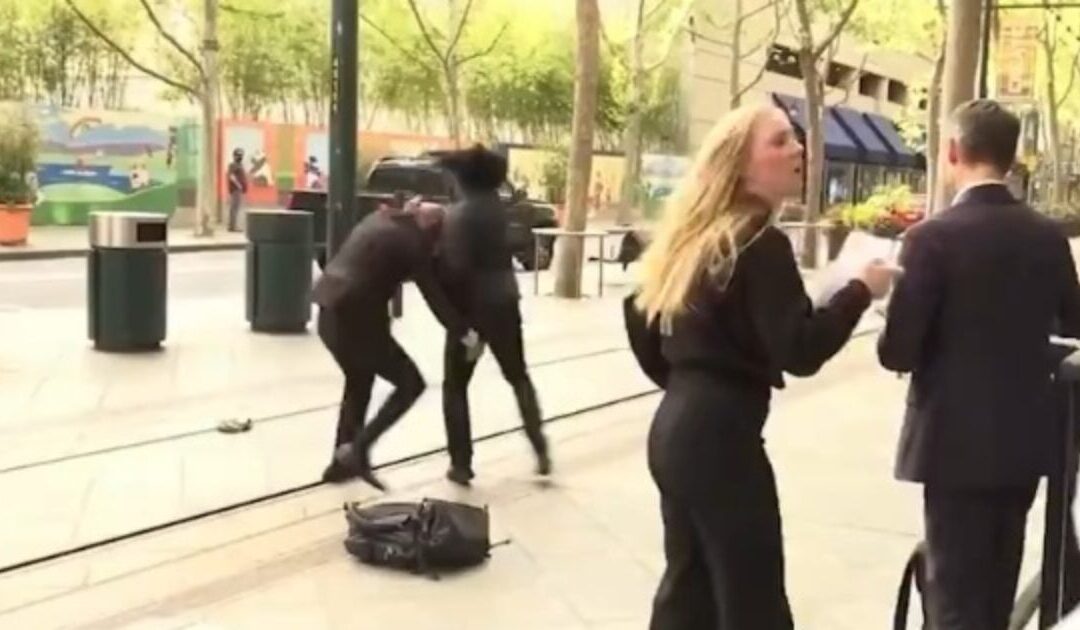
914,572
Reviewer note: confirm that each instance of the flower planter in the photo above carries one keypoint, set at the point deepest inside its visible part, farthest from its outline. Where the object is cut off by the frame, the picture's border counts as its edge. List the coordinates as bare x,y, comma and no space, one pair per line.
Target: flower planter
836,236
15,224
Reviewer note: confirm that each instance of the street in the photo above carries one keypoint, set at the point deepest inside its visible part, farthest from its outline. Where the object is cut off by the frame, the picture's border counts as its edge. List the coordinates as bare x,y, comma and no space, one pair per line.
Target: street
62,283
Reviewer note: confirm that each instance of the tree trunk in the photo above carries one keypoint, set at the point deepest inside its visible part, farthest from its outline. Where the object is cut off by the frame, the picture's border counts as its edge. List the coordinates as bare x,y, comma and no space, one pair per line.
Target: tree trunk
453,103
586,84
632,140
961,66
815,153
933,127
208,198
1053,123
734,77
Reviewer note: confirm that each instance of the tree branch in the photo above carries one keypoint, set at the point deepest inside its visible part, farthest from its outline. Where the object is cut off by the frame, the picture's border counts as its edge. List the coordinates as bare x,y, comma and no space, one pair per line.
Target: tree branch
838,28
172,40
738,21
749,86
441,56
119,50
487,51
393,42
1073,69
460,29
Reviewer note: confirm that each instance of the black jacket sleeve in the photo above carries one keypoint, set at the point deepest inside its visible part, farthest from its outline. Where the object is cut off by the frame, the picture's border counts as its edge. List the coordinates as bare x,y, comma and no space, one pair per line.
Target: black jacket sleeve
915,302
645,343
797,338
455,246
437,301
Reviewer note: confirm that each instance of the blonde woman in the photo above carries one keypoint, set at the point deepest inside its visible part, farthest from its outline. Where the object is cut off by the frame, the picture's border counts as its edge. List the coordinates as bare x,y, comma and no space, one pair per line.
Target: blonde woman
720,283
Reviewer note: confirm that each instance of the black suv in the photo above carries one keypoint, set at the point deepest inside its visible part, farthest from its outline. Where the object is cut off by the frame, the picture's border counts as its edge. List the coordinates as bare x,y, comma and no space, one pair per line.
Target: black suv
423,176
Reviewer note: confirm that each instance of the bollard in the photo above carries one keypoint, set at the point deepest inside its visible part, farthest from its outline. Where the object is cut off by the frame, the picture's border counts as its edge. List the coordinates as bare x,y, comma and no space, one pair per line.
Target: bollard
127,281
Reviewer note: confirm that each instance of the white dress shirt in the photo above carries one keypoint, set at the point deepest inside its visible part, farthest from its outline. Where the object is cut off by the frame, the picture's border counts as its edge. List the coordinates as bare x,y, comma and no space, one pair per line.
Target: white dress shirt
984,182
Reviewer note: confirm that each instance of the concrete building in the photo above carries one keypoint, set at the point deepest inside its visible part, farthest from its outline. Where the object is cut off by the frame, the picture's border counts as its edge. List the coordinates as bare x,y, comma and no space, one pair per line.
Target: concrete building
868,91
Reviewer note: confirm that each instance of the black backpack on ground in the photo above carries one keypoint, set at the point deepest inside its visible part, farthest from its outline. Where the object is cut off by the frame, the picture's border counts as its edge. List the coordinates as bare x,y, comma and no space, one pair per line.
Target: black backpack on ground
419,537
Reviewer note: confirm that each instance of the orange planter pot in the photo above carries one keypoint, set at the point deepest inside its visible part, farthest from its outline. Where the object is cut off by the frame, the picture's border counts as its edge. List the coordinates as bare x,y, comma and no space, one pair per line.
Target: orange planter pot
15,224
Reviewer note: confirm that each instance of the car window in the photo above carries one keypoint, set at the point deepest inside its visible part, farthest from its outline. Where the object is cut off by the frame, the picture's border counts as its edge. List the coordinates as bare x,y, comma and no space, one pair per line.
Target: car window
421,181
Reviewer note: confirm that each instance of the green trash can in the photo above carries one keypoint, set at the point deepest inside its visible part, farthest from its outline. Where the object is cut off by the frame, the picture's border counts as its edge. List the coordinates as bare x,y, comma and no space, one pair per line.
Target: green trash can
281,246
127,281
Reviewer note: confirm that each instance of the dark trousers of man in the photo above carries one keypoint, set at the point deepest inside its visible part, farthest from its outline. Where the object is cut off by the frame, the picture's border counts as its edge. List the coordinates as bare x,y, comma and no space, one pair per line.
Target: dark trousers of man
974,540
499,326
359,339
236,197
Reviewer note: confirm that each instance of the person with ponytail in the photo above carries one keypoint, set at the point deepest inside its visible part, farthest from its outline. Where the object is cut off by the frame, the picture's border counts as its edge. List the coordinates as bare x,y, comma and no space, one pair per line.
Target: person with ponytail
721,288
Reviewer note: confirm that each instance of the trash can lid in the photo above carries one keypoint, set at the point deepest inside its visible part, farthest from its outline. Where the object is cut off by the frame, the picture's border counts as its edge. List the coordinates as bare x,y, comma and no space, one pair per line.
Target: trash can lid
128,230
280,226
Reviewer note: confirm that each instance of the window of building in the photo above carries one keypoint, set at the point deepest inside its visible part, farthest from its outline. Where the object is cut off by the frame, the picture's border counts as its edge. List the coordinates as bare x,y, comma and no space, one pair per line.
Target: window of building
783,60
870,84
839,75
898,93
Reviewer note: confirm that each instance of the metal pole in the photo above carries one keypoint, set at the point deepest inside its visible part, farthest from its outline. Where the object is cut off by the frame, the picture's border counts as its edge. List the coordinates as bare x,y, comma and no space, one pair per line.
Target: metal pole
984,55
341,202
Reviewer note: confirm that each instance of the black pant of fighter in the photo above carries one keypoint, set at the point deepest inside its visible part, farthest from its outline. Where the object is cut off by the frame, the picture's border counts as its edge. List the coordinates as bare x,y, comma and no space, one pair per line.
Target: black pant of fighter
359,339
500,328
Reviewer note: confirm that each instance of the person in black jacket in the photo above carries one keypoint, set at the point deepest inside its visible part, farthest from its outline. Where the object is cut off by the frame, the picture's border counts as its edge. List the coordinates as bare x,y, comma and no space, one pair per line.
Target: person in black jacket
723,304
477,269
384,250
985,283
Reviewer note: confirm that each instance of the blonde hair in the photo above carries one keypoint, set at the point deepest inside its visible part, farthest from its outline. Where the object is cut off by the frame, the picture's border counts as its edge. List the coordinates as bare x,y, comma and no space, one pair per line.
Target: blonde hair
705,224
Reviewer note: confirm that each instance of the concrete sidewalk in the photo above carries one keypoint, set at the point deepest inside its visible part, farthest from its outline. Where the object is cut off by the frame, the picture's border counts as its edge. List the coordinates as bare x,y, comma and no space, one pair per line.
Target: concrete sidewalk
48,242
585,550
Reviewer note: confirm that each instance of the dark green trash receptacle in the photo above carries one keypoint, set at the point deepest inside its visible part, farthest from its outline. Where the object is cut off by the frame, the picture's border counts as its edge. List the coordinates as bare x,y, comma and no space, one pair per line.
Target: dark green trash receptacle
127,281
279,257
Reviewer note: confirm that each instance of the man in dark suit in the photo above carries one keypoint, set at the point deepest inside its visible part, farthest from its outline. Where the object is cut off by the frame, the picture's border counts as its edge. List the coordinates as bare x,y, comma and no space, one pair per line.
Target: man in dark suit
985,283
384,250
477,269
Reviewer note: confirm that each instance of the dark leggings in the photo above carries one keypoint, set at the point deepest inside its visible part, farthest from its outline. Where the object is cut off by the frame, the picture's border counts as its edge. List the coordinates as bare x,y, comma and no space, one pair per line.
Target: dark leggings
722,534
500,329
363,348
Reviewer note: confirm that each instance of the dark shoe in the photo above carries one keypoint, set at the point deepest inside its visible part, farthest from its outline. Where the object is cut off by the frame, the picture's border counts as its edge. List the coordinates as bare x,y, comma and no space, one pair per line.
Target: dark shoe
337,472
460,476
543,465
364,471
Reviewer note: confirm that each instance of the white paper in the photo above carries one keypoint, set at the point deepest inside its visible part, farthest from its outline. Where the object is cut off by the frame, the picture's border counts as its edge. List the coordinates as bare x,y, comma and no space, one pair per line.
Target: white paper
860,248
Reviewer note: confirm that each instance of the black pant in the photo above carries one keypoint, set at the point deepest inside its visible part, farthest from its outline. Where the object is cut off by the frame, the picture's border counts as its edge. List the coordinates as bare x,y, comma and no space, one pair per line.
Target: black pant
360,341
722,531
499,326
974,544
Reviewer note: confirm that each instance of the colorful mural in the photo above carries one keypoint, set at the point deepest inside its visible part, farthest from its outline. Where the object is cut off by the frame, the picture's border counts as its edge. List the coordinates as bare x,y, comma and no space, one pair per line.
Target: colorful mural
103,161
279,158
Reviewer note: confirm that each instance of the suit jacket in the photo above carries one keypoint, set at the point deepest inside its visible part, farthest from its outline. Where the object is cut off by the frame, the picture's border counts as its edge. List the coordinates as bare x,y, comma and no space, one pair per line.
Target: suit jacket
383,251
475,261
985,284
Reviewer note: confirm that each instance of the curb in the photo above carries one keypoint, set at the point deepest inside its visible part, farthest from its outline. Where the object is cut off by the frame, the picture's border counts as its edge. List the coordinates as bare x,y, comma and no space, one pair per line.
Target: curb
55,254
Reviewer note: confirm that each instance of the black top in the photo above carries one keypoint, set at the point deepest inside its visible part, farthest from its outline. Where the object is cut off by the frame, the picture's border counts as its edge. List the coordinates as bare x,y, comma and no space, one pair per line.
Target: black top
383,251
237,178
759,326
475,260
985,284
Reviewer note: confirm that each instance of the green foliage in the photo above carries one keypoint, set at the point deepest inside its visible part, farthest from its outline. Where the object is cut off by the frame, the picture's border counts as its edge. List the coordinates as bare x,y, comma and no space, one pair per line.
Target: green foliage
19,144
555,175
887,212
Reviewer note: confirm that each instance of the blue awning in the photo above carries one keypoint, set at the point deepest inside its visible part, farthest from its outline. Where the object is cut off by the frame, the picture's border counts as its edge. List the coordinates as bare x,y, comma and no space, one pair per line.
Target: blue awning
905,155
839,146
874,149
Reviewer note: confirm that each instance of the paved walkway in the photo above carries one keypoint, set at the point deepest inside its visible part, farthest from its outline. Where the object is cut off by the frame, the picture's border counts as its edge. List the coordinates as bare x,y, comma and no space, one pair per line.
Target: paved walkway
585,549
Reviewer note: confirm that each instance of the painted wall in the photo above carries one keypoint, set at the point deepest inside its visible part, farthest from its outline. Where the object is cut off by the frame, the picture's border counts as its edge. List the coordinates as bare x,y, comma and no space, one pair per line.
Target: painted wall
104,161
279,158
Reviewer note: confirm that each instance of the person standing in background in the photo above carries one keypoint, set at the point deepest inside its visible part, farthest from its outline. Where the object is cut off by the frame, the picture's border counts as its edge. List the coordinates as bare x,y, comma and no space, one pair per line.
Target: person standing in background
238,187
